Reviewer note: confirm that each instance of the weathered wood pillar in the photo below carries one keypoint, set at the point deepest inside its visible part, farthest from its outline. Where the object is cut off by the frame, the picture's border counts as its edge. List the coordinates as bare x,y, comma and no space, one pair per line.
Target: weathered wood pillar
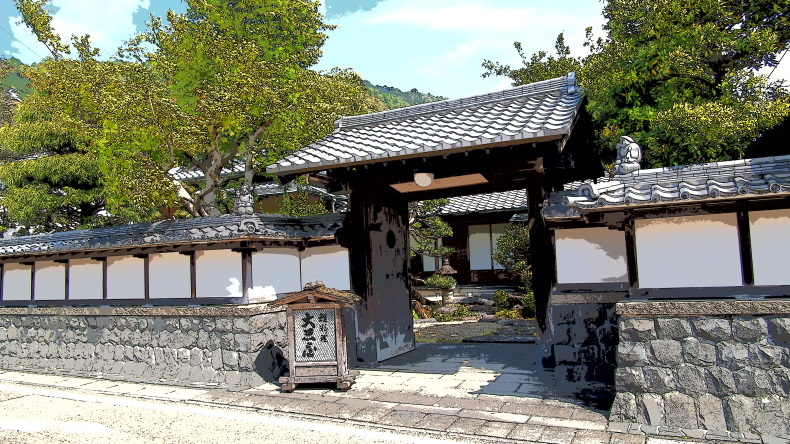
376,234
541,252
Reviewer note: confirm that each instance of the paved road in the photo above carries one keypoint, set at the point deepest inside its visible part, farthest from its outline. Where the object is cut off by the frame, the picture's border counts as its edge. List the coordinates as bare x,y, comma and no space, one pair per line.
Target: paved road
38,415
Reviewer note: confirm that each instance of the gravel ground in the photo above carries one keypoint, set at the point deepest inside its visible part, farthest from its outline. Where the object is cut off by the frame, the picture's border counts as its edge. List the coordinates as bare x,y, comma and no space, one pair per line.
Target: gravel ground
503,330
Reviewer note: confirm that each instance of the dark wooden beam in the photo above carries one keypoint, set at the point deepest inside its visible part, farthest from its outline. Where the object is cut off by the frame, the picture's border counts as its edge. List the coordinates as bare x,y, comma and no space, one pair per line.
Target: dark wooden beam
246,273
630,254
147,277
745,244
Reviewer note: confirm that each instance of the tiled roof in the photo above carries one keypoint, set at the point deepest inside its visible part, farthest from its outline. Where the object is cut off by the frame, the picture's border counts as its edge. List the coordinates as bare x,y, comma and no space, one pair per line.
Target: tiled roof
513,201
539,110
765,176
200,229
194,173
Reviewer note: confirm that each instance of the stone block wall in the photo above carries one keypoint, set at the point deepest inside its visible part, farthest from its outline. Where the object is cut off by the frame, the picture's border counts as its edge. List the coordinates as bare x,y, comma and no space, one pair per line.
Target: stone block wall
233,346
715,365
581,342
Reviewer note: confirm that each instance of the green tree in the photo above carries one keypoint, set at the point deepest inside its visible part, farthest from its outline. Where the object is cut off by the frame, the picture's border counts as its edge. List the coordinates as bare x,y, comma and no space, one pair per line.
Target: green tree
539,66
225,82
512,251
6,101
297,201
50,178
427,228
680,77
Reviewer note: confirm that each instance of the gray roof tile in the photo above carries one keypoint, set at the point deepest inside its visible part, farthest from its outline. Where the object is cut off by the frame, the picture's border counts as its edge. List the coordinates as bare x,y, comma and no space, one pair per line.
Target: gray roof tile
745,178
541,109
512,201
226,227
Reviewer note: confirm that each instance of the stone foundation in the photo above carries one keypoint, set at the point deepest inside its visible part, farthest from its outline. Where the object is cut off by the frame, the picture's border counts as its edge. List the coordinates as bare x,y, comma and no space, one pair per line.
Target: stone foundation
229,346
715,365
581,340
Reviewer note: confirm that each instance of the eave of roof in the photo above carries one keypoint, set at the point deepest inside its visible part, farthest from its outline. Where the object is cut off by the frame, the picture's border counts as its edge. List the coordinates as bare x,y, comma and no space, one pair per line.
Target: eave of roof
716,181
167,232
536,112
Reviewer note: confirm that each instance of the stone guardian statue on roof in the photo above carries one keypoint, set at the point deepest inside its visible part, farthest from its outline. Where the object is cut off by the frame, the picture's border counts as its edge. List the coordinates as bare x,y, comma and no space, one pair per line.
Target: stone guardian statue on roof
629,154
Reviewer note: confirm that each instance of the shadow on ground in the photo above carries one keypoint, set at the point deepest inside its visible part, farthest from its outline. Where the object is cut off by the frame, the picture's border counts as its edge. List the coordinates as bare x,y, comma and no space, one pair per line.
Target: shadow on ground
494,369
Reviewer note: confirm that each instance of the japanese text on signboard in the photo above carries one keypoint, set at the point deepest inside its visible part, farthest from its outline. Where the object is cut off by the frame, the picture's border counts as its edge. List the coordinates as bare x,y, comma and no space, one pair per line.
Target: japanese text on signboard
315,335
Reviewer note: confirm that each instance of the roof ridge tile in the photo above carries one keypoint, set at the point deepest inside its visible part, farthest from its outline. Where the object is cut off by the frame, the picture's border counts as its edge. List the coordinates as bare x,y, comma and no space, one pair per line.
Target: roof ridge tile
559,85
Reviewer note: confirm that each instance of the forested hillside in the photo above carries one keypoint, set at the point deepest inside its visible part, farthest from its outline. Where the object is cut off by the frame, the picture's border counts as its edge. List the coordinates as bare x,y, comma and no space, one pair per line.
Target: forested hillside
395,98
15,80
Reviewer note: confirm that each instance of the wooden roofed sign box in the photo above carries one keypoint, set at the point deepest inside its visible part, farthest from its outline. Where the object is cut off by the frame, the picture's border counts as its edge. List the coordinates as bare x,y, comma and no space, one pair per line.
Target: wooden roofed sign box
316,336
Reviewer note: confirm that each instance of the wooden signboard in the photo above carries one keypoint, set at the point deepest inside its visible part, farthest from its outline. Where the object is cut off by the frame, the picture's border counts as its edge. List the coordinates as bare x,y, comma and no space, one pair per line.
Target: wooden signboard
316,337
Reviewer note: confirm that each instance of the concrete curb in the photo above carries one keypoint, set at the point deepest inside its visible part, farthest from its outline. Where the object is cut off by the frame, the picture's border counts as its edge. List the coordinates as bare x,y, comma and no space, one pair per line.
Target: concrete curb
486,418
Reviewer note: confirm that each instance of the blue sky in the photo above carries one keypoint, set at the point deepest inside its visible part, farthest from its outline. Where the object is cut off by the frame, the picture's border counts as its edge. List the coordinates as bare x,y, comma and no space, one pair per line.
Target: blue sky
436,46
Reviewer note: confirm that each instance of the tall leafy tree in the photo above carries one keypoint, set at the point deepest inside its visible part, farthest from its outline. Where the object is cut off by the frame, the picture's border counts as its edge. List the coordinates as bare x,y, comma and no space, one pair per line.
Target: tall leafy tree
538,66
225,82
50,179
680,77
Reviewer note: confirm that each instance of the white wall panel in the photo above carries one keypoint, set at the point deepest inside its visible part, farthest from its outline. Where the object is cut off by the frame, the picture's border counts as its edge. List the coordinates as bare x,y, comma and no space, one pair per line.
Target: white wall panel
50,277
17,282
86,279
480,247
218,274
125,277
169,276
694,251
590,255
275,270
770,233
328,264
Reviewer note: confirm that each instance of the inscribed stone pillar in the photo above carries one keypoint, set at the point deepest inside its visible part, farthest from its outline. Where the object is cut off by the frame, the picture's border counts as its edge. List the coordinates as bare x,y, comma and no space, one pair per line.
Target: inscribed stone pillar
376,234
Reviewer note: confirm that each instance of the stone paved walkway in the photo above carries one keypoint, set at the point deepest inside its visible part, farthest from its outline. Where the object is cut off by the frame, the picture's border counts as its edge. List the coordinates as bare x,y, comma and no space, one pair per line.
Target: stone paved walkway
467,392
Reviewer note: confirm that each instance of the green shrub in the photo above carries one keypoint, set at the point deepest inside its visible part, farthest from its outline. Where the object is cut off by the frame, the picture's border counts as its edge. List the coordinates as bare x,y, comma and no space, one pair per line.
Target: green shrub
443,317
500,300
508,314
529,305
460,312
441,281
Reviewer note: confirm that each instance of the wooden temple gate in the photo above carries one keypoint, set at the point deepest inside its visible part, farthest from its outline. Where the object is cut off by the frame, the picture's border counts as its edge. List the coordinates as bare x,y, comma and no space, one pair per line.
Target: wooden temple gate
515,139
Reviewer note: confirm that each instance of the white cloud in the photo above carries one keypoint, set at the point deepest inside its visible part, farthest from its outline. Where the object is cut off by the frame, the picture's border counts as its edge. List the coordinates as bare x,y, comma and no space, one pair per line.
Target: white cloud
26,48
109,24
470,15
439,45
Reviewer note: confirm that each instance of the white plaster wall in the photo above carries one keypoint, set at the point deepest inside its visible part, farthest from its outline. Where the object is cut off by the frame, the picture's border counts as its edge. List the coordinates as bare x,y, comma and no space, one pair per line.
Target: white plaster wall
497,230
17,282
218,274
86,279
590,255
169,276
479,247
125,277
428,263
328,264
693,251
275,270
770,234
50,278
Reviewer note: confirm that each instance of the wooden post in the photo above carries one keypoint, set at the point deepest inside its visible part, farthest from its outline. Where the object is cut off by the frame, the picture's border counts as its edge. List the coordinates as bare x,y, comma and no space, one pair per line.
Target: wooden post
745,243
541,253
377,238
